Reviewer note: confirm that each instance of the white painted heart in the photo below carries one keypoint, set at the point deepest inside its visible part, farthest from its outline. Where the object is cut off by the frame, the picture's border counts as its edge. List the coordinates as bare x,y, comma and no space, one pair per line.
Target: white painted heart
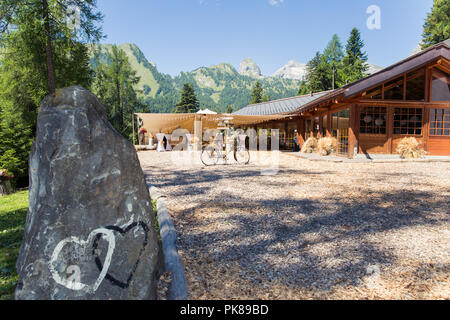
75,285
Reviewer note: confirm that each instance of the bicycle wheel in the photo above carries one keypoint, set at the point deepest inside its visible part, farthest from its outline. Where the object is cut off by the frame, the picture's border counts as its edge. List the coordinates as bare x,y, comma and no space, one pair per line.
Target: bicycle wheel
242,156
210,156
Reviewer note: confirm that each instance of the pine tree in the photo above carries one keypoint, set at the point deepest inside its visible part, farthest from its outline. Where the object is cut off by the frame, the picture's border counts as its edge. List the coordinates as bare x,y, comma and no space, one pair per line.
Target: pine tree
230,109
437,25
354,63
318,73
333,54
265,98
52,26
15,142
40,51
114,84
188,102
304,88
257,93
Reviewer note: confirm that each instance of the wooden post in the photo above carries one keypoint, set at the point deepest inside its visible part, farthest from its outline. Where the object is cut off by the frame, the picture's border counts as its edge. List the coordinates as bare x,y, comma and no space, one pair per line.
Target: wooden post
353,132
390,128
319,135
198,133
300,131
426,127
329,123
427,85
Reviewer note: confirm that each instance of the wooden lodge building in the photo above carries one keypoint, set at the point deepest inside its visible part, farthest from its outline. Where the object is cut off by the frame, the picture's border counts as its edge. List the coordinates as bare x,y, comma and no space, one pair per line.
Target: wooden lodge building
408,99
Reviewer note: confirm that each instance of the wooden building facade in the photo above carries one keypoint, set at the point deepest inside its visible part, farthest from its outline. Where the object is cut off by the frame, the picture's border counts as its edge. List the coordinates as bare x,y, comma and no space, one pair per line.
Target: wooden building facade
408,99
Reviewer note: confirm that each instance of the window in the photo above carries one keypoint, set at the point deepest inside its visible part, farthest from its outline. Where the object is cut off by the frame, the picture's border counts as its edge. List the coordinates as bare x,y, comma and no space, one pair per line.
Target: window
415,85
440,87
373,120
374,94
439,122
408,121
393,90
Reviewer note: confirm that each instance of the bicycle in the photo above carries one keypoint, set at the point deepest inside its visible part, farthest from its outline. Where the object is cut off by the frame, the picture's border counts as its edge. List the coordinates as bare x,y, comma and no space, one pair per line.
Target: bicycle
213,152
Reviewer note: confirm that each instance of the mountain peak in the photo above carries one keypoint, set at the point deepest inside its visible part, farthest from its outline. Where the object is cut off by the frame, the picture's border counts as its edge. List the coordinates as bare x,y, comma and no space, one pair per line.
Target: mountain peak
249,68
292,70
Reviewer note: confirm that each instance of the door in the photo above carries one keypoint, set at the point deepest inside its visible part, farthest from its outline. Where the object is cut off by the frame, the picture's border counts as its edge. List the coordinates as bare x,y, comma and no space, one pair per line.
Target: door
341,125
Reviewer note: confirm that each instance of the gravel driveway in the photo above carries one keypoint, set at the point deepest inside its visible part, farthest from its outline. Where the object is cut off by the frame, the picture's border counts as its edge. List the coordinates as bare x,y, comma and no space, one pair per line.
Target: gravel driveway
315,230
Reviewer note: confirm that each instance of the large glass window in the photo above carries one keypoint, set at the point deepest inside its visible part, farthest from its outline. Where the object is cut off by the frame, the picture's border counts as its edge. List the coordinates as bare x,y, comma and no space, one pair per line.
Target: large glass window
408,121
373,120
374,94
439,122
415,85
440,88
393,90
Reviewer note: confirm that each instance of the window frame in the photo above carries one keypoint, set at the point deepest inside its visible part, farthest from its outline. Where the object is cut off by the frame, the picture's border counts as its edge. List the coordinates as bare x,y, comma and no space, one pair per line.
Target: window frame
408,115
431,85
373,91
375,115
445,120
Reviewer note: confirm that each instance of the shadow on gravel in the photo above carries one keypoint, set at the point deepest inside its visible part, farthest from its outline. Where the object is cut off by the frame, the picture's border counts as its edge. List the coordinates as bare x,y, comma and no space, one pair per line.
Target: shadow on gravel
319,245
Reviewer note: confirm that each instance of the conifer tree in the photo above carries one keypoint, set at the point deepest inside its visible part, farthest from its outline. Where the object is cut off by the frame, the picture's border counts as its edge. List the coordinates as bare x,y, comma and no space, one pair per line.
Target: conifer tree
42,48
333,55
437,25
257,93
15,142
354,63
114,84
188,102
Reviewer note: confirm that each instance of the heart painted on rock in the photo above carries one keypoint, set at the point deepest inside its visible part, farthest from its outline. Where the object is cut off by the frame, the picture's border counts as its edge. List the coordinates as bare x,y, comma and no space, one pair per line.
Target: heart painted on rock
122,284
75,285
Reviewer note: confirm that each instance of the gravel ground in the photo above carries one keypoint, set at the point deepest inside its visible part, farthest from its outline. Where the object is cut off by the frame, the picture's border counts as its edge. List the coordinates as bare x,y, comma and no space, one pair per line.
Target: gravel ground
315,230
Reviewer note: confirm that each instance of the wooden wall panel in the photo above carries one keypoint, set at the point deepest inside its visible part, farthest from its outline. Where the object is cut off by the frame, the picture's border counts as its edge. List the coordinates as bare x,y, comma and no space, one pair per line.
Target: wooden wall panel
373,144
439,146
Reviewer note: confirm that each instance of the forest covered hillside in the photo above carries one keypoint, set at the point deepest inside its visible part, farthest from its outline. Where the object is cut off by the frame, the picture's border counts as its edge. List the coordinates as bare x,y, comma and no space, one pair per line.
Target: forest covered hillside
217,86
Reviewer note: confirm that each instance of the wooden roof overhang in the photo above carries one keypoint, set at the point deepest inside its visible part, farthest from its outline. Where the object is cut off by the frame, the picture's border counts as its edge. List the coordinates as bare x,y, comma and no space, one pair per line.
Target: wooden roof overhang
435,56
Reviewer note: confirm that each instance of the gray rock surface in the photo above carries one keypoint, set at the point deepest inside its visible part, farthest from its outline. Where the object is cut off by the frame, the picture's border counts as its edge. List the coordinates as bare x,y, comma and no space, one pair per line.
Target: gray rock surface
89,231
249,68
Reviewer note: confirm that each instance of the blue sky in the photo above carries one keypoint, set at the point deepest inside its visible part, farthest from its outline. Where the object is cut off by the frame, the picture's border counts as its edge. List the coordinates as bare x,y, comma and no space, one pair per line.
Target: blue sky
182,35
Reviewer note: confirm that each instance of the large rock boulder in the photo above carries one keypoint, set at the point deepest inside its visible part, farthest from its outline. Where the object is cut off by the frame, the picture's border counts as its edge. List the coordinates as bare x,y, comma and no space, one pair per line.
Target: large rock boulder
89,232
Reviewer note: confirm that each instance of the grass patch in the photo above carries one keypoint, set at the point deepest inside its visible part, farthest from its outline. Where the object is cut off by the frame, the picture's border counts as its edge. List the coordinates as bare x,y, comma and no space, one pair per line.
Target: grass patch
13,212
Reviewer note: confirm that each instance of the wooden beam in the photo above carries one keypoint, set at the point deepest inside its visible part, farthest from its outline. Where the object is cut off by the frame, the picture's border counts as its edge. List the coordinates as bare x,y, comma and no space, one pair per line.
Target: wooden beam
404,86
390,128
319,135
300,131
329,123
426,127
427,85
353,131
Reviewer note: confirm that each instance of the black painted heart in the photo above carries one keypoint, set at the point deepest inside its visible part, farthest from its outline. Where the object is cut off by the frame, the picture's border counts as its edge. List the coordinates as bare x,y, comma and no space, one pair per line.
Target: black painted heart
122,232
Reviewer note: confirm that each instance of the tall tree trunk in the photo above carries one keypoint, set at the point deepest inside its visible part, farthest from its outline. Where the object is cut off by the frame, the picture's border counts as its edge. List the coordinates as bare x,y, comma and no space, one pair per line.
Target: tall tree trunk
48,48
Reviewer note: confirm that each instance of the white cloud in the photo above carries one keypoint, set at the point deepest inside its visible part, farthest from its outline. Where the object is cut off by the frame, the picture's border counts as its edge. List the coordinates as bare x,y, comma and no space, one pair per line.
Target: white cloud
275,3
